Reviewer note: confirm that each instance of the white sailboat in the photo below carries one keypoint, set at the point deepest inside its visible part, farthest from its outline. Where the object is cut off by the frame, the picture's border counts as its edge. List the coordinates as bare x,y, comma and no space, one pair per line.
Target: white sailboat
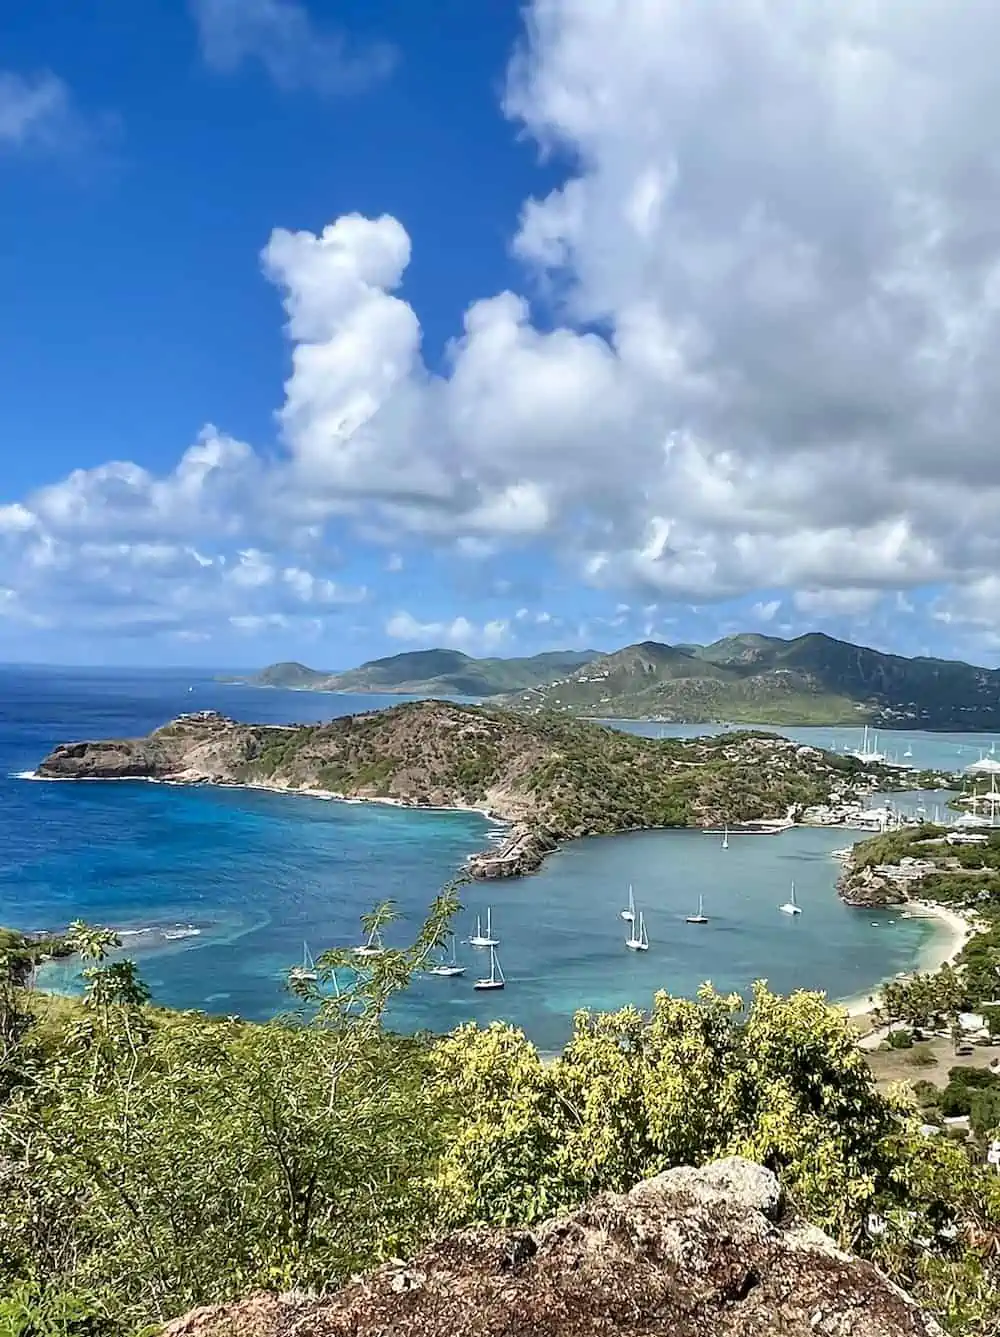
909,750
373,947
638,939
307,970
791,906
868,751
496,979
481,939
725,837
701,917
448,968
972,818
629,914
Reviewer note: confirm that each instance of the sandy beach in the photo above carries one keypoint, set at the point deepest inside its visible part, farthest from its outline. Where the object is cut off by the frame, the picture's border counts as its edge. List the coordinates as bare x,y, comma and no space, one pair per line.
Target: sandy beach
954,929
957,928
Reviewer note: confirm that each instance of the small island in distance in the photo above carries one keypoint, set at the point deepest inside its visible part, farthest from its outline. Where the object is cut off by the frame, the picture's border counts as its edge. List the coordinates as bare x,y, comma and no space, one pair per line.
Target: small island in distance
750,678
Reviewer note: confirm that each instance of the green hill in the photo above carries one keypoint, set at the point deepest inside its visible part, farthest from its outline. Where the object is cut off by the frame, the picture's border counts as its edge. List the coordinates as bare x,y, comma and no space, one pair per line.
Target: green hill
748,678
289,674
430,673
813,679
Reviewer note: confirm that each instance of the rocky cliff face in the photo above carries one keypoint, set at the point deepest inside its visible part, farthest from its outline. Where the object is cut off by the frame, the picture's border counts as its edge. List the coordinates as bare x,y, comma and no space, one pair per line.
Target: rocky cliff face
201,747
867,886
692,1253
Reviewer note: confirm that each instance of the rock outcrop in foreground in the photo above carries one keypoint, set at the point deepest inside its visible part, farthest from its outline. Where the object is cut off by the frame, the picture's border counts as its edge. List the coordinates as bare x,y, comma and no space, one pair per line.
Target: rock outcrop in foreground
691,1253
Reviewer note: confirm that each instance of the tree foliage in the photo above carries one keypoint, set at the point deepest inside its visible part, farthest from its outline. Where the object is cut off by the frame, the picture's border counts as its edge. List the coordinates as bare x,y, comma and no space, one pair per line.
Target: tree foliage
632,1094
152,1161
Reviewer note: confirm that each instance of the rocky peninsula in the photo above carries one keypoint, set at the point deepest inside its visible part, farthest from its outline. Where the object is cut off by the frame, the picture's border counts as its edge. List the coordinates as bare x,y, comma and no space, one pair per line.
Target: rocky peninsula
932,872
896,867
551,778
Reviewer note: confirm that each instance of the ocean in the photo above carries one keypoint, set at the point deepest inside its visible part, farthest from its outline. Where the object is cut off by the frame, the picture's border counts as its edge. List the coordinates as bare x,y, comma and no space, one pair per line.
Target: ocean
217,890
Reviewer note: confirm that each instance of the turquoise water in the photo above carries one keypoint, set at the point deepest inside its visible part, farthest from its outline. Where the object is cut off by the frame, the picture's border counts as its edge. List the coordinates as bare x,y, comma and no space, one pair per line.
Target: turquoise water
249,876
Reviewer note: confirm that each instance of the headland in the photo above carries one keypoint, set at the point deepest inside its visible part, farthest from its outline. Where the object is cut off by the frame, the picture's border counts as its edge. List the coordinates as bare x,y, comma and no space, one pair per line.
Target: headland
552,779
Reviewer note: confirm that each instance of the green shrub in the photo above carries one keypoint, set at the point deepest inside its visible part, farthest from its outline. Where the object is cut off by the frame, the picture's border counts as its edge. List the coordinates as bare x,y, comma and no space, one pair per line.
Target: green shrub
928,1095
28,1309
955,1100
921,1056
157,1161
985,1111
978,1078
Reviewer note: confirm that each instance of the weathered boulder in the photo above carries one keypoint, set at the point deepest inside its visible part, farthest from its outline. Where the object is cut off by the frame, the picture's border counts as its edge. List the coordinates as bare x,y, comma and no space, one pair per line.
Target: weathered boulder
691,1253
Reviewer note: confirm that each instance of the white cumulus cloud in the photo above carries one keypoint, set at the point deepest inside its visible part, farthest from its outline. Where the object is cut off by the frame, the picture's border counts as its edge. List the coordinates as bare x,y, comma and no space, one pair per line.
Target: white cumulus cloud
788,318
291,47
459,634
761,354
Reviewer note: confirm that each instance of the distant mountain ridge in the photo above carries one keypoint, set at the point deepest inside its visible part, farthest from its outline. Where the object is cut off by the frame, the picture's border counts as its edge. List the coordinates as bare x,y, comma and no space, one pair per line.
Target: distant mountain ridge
430,673
752,678
748,678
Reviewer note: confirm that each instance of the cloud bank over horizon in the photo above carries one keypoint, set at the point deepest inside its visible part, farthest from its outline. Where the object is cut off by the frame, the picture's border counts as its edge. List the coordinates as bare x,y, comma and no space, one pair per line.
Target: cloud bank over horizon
750,368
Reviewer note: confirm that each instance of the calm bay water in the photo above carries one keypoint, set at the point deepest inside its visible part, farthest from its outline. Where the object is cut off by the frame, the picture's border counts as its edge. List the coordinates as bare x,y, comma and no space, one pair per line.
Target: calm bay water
258,874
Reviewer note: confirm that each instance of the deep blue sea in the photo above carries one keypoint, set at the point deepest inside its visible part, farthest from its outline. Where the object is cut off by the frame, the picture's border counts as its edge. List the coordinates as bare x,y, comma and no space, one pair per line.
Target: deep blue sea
249,877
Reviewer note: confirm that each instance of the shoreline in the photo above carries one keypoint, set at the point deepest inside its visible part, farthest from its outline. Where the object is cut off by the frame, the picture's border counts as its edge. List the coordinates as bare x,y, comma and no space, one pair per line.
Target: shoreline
327,795
953,930
518,833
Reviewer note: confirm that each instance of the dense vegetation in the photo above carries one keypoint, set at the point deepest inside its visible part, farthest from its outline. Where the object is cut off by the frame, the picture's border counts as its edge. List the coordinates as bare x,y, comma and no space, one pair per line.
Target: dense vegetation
152,1161
964,878
21,952
609,781
813,679
970,1092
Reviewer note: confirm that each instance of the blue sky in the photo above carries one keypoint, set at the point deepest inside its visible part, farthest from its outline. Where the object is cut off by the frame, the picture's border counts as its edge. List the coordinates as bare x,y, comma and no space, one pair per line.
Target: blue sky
329,330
